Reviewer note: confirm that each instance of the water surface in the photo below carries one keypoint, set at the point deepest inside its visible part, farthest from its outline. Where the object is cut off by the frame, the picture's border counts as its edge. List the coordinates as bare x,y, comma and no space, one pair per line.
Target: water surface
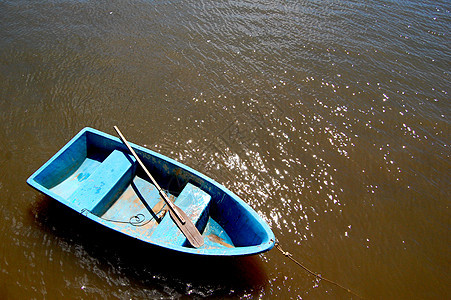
330,118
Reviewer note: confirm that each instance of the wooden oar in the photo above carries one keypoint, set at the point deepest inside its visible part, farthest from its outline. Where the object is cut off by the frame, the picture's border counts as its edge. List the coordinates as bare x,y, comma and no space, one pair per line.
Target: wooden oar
179,217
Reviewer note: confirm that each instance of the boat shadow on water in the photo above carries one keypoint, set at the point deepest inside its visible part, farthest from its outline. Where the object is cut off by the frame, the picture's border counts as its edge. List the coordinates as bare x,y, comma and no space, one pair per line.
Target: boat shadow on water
142,264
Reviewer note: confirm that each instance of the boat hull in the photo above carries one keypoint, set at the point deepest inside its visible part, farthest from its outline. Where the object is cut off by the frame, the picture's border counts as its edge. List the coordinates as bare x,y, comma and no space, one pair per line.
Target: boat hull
94,175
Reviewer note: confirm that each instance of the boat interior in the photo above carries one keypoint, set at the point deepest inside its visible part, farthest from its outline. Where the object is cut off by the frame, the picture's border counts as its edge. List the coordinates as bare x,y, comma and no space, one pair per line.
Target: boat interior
97,177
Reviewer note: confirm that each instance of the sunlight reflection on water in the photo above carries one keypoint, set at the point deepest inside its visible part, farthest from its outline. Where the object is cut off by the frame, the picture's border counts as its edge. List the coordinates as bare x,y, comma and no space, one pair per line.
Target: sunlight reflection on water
329,119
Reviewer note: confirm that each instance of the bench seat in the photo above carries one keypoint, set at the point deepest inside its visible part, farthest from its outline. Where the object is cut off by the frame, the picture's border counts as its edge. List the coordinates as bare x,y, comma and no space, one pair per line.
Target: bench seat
195,203
98,192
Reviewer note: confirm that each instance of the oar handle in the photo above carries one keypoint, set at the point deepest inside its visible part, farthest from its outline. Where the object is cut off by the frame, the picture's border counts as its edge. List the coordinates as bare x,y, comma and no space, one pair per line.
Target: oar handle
162,193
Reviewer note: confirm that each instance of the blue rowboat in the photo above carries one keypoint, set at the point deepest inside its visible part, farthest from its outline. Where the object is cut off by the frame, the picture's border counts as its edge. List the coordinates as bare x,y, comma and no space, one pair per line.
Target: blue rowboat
95,175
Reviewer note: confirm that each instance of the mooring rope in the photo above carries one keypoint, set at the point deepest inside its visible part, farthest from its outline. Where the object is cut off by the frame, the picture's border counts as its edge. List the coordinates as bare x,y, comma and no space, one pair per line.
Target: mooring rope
136,220
290,256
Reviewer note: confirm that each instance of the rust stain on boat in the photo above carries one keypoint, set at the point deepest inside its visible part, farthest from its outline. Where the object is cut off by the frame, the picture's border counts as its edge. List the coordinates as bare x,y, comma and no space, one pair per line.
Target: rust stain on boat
216,239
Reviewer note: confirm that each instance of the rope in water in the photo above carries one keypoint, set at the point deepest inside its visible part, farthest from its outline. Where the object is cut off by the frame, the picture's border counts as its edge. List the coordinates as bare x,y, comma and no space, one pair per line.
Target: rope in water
290,256
140,220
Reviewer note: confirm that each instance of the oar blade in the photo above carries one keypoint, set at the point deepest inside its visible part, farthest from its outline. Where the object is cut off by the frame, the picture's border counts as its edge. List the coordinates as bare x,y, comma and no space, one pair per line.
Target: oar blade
188,229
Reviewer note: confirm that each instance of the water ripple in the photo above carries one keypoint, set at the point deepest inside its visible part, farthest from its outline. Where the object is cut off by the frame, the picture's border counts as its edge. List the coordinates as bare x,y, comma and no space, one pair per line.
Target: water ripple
329,118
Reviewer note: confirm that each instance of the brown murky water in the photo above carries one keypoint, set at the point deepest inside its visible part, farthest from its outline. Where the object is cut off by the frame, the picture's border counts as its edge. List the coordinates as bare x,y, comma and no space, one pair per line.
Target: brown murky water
330,118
